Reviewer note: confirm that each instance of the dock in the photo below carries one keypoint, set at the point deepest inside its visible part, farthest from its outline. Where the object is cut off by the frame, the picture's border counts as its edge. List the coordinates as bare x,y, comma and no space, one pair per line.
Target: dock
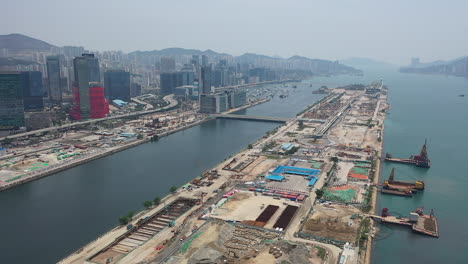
418,221
422,160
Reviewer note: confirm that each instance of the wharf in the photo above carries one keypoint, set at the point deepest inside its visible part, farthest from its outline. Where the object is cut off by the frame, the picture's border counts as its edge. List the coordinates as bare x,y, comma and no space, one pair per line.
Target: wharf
425,224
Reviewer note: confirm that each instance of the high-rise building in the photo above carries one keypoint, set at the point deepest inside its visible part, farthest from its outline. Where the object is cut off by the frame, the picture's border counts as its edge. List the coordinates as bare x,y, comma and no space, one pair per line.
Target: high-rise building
99,104
135,90
170,80
206,80
167,82
86,69
53,80
237,98
72,51
204,60
188,77
167,64
213,103
195,60
11,101
117,85
33,91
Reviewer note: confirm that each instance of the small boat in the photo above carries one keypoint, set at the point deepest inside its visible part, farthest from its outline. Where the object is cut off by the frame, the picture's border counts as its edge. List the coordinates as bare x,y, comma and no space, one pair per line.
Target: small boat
462,95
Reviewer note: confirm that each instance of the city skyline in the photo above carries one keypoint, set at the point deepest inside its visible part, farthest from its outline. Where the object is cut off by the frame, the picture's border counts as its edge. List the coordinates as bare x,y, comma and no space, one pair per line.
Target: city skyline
312,29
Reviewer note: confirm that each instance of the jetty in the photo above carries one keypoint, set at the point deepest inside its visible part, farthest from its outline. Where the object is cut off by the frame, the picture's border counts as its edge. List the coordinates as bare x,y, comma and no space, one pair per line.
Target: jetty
422,160
418,221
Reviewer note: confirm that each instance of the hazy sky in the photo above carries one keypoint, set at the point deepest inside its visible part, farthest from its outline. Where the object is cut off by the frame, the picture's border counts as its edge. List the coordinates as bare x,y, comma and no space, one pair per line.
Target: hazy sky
388,30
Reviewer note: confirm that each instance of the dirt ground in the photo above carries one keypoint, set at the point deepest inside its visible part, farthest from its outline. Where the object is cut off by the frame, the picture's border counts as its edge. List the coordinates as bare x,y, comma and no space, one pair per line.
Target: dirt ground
210,246
350,135
342,174
333,222
246,206
261,165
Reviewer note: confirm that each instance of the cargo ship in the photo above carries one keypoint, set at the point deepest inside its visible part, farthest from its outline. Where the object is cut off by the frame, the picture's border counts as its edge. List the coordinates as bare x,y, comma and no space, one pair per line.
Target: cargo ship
422,160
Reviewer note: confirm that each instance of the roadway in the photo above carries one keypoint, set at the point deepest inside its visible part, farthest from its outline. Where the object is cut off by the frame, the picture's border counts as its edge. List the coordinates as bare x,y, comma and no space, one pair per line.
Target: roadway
168,98
294,226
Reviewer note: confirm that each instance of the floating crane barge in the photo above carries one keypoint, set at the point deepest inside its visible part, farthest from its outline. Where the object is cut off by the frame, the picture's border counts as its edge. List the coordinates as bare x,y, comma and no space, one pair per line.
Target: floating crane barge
391,186
422,160
418,221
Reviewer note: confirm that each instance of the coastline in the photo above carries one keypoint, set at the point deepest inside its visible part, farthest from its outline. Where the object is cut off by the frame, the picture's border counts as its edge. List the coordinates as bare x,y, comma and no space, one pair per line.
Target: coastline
95,247
119,230
105,153
378,171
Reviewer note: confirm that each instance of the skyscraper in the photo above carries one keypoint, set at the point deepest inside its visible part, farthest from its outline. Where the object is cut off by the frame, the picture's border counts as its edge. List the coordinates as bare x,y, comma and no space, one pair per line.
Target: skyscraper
11,101
53,77
170,80
33,90
135,90
195,60
98,102
117,85
206,79
167,64
86,69
204,60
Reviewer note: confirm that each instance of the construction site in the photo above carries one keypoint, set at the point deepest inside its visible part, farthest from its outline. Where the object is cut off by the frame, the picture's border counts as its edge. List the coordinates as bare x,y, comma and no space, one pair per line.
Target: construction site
144,230
251,209
44,153
334,222
301,194
221,242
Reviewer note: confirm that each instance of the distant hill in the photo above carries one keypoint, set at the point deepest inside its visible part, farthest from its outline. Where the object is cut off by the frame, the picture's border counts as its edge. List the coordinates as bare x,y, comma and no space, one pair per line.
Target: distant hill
17,44
20,43
317,66
178,52
457,67
366,63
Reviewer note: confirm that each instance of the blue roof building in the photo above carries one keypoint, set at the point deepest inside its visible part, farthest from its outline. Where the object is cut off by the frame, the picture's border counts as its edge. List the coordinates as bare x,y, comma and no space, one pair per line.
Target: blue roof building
272,177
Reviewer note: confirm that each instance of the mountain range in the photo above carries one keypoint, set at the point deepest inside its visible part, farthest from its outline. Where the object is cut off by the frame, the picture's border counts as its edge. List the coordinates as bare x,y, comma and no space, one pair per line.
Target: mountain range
457,67
17,43
20,44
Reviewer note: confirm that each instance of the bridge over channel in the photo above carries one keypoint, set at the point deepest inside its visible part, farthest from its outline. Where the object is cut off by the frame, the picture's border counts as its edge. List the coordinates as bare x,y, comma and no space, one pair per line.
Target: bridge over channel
252,118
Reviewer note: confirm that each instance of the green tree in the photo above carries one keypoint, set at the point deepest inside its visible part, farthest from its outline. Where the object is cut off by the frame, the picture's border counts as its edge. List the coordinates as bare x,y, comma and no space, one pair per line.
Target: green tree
131,214
157,200
140,136
250,146
148,204
124,220
334,159
173,189
319,193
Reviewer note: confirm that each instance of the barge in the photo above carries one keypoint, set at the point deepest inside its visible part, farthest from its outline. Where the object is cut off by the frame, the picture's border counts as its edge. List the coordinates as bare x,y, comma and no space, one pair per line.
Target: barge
422,160
418,221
